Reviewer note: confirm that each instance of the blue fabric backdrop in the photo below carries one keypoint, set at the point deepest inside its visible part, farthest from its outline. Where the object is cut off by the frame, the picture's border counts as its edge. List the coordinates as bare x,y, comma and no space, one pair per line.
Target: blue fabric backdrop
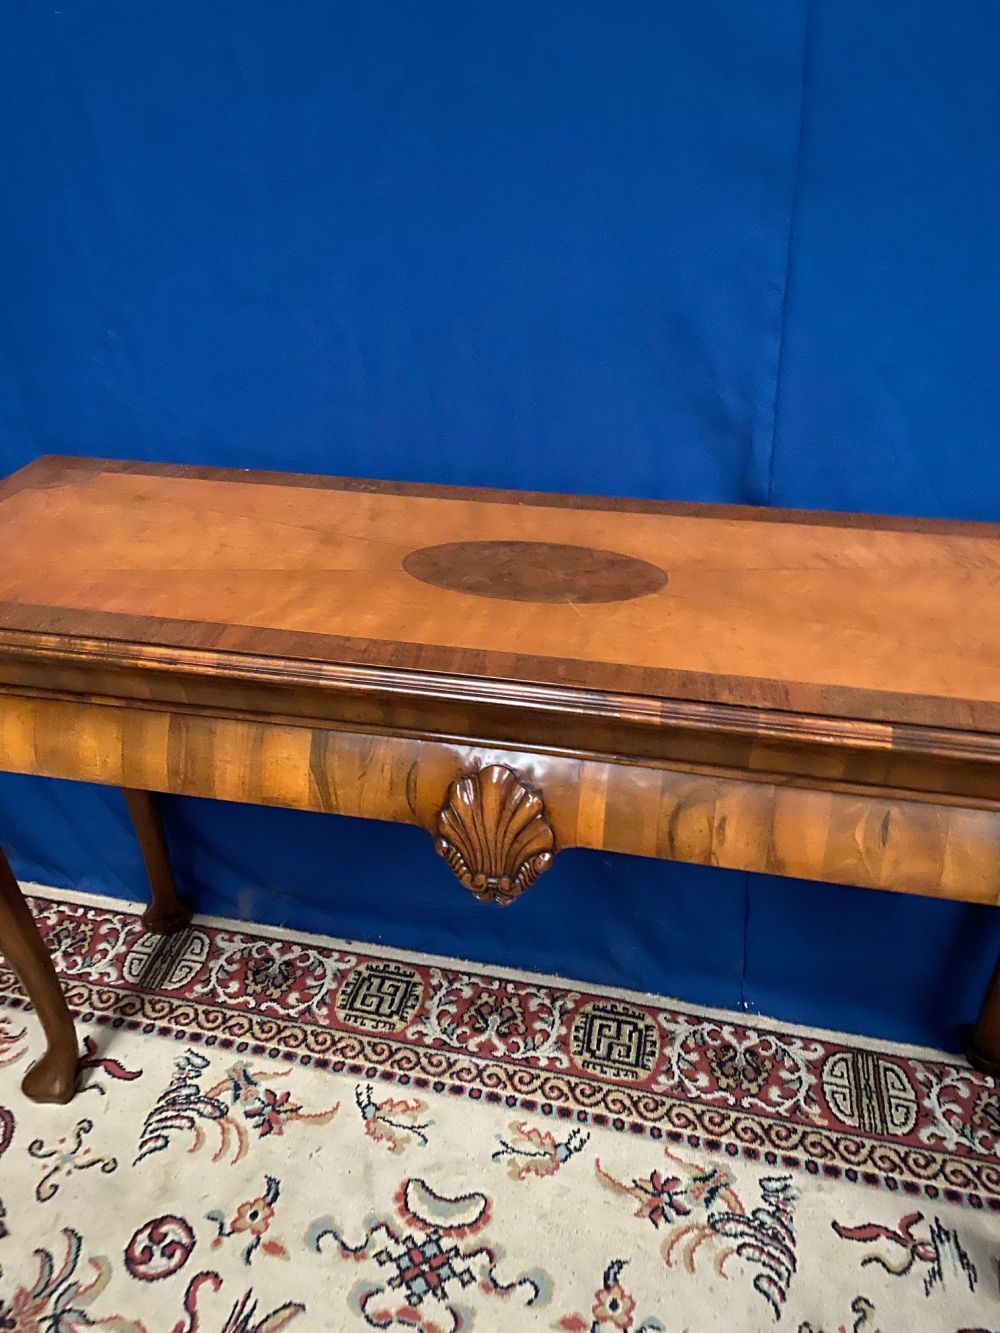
712,251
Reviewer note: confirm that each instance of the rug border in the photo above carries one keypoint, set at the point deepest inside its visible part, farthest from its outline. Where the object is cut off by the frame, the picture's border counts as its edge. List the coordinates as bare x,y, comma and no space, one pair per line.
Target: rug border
656,999
723,1143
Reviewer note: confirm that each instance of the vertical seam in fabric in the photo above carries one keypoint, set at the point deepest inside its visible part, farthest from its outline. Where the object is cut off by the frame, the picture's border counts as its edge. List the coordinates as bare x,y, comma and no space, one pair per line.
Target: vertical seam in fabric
741,1000
789,250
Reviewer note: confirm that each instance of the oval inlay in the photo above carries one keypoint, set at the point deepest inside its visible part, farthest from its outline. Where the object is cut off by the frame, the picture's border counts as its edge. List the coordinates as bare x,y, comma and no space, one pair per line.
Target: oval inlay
534,571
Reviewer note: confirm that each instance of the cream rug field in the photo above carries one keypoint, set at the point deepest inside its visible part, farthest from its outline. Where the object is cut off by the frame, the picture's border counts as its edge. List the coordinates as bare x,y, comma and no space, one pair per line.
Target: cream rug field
282,1131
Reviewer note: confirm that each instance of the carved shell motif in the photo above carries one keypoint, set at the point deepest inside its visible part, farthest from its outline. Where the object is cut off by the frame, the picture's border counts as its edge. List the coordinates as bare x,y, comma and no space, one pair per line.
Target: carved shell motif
494,834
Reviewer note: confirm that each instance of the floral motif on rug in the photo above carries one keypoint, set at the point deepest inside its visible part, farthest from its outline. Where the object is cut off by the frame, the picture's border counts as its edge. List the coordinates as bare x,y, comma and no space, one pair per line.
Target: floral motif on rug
277,1131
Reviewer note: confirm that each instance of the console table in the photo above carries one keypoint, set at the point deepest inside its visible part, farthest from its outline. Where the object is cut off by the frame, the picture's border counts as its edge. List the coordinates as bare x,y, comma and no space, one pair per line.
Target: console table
805,694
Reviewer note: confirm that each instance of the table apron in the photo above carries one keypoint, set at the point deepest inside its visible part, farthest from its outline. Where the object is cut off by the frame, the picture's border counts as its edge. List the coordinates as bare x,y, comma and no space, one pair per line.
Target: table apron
870,840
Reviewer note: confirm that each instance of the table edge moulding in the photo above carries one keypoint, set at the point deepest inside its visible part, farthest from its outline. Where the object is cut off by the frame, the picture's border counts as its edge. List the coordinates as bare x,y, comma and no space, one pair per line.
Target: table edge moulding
504,757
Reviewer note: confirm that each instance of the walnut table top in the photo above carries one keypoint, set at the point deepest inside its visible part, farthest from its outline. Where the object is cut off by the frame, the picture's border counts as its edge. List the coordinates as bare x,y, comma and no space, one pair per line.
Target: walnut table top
848,616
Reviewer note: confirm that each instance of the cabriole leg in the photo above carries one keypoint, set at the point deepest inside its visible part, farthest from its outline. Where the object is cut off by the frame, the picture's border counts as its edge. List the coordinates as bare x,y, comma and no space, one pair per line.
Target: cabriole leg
53,1077
167,912
984,1052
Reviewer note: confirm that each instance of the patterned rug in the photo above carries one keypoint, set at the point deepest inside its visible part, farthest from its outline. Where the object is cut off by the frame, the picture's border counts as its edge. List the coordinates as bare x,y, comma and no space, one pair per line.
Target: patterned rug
280,1130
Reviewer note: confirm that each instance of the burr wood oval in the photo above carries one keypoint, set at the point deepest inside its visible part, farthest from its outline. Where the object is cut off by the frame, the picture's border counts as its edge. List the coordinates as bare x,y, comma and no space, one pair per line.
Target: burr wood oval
494,834
535,571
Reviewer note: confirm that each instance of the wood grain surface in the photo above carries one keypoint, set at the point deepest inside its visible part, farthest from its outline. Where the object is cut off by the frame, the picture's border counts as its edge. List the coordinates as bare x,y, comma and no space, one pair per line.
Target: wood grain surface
875,841
890,620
